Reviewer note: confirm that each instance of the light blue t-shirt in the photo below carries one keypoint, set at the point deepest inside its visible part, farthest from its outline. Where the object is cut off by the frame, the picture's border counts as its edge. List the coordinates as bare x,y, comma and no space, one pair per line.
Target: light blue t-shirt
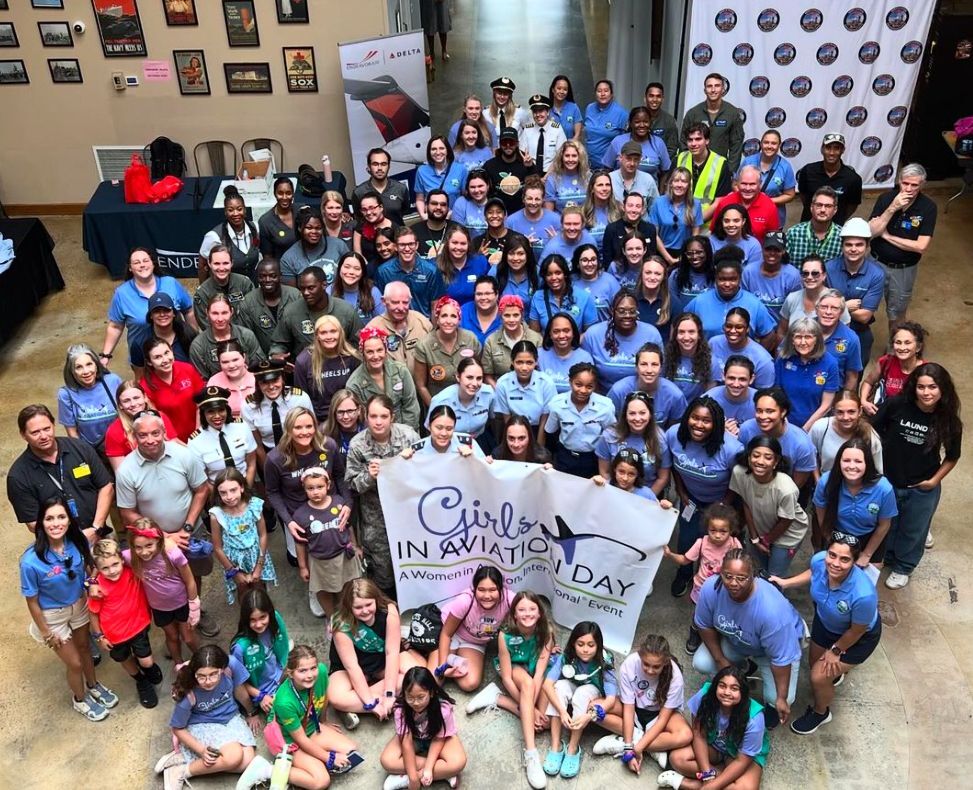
565,190
470,215
451,181
740,411
544,306
557,368
601,290
605,676
612,367
471,418
859,514
558,245
474,159
706,477
772,291
680,297
568,116
90,410
211,707
763,363
712,309
601,126
352,298
687,381
50,579
534,231
795,445
670,222
609,444
752,252
853,602
655,156
668,402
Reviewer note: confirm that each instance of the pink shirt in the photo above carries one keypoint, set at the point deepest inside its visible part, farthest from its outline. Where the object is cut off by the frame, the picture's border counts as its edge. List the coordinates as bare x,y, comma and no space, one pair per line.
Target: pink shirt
239,392
164,589
449,723
710,559
477,625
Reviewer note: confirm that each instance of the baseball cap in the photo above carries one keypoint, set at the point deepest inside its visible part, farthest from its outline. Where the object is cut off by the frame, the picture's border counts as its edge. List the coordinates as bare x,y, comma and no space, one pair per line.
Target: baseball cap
631,148
834,137
157,301
774,239
509,133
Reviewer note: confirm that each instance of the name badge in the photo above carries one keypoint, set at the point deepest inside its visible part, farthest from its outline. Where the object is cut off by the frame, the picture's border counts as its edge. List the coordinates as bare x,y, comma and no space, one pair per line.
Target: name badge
720,122
81,471
471,278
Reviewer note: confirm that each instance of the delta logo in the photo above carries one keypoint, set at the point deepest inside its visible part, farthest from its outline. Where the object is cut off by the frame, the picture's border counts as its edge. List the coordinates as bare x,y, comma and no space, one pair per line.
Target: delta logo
370,59
403,53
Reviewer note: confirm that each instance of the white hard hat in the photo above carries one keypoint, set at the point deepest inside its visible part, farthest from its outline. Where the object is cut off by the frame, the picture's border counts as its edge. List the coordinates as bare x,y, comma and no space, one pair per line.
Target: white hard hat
857,228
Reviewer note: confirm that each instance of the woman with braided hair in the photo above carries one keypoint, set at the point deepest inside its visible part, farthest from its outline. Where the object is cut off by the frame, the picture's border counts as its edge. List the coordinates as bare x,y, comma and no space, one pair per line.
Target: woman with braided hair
614,343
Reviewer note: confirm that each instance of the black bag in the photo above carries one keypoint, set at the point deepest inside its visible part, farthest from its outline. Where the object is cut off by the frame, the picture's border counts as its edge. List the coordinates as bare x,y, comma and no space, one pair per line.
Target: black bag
425,628
310,181
168,158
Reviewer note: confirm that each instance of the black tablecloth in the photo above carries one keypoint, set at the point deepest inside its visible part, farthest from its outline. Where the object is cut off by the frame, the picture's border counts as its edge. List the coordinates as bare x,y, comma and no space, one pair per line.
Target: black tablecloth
175,229
32,275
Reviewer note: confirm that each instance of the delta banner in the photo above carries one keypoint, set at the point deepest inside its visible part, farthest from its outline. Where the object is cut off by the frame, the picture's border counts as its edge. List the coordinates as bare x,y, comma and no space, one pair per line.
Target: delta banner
386,100
807,68
592,551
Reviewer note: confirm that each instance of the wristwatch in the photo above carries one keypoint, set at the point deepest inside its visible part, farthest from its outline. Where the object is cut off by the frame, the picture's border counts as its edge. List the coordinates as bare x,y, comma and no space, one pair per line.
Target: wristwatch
187,528
103,355
836,650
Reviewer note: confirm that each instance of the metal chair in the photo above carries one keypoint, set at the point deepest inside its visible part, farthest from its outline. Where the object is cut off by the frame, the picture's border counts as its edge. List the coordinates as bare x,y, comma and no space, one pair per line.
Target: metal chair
217,156
276,148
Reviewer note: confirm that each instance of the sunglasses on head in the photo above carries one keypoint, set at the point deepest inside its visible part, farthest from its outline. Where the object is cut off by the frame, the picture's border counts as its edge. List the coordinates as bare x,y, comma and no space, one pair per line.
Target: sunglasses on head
845,538
147,413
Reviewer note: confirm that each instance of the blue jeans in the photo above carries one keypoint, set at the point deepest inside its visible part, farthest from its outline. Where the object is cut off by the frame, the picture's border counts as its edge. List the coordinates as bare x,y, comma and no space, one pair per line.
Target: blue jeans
778,561
704,664
689,532
906,540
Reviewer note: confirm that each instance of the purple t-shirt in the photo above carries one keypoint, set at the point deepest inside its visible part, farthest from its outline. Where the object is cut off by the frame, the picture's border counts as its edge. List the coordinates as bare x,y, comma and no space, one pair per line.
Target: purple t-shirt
478,625
211,707
763,625
165,590
753,736
706,477
635,687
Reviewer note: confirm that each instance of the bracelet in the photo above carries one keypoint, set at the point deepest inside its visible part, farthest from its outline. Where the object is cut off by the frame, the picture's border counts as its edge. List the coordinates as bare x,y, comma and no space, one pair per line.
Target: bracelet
371,705
599,713
705,776
765,539
259,698
440,670
627,756
628,747
229,573
330,764
94,634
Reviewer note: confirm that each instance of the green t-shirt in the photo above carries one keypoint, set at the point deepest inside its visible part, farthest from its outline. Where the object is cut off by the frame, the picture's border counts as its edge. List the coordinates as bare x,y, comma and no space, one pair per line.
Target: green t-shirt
291,709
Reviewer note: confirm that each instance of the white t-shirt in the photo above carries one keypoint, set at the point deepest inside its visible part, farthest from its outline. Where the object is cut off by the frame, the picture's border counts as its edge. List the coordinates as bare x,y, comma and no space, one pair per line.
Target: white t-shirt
771,501
634,686
827,442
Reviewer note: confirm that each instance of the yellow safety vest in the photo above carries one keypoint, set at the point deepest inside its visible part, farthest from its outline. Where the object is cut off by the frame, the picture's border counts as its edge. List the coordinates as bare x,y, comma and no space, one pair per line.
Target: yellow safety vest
709,177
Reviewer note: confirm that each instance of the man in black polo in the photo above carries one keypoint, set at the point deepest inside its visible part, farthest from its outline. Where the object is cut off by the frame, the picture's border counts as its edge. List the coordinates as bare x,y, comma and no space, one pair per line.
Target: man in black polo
57,467
394,194
632,221
831,172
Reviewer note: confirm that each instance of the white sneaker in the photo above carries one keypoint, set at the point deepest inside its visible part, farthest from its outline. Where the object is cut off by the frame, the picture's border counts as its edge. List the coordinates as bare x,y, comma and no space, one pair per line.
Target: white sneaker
671,779
610,744
90,708
896,581
173,758
312,601
174,777
487,698
351,720
536,777
258,771
396,782
930,540
662,758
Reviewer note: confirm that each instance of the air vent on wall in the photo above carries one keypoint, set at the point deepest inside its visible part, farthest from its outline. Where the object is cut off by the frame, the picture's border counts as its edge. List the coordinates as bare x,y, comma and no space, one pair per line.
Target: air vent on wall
112,160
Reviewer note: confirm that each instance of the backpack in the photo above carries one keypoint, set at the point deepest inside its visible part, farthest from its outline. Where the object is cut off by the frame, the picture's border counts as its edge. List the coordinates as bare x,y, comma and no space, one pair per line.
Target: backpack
168,158
425,628
310,181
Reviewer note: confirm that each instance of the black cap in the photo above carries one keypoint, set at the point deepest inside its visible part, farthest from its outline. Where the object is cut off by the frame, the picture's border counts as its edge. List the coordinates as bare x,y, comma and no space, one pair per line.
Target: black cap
774,239
267,370
495,201
539,102
212,396
504,84
509,133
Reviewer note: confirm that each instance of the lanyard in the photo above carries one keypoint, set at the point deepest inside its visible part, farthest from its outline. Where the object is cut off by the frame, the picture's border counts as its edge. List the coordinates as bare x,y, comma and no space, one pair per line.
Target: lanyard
60,472
310,712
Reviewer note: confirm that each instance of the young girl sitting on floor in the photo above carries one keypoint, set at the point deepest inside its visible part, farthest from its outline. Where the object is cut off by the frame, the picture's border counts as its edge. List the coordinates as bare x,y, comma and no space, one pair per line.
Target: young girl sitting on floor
527,637
425,747
261,644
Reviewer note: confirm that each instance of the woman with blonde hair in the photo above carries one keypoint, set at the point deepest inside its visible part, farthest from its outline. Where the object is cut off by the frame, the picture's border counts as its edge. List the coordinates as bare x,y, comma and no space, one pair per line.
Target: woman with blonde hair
677,215
473,111
322,368
120,436
567,178
337,223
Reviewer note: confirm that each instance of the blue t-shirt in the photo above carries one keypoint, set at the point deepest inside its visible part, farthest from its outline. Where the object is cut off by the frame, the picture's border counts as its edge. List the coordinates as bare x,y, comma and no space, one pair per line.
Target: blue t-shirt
543,307
712,309
752,251
130,307
805,383
450,181
352,298
609,444
90,410
680,297
795,445
846,348
763,363
454,131
670,222
655,156
557,368
612,367
853,602
568,116
756,740
579,430
772,290
867,284
470,215
565,190
597,228
211,707
423,282
859,514
668,402
514,288
601,290
776,181
534,231
272,669
740,411
687,381
601,126
471,418
627,277
474,159
463,284
468,320
763,625
530,400
50,579
706,477
558,245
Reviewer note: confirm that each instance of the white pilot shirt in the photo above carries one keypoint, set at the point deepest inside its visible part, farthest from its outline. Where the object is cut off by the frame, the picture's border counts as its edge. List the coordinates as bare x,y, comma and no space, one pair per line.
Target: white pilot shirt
554,138
579,430
258,418
205,445
522,117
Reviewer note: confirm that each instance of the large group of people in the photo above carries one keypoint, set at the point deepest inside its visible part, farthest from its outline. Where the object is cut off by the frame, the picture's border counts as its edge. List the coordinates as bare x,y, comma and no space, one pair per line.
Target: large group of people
605,292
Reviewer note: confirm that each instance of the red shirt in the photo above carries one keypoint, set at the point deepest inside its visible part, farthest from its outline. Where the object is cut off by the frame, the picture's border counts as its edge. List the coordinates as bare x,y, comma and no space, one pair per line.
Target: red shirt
890,369
763,213
176,399
117,444
122,610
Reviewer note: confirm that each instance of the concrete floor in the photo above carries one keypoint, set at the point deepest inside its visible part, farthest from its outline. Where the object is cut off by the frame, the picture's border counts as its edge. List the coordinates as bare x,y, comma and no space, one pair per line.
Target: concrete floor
903,720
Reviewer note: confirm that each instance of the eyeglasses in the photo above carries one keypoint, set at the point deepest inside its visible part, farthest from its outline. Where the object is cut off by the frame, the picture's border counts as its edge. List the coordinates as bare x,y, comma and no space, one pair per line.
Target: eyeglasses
818,204
810,275
845,538
408,245
202,677
739,579
626,311
346,412
588,259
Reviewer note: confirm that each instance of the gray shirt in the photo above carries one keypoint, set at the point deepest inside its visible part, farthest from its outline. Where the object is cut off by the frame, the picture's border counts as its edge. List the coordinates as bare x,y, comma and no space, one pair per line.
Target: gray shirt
395,198
160,490
827,442
325,255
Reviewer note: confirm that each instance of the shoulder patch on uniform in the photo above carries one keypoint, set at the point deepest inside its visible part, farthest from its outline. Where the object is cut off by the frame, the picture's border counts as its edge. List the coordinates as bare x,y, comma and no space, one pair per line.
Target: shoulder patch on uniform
195,433
555,125
249,399
418,445
237,420
295,391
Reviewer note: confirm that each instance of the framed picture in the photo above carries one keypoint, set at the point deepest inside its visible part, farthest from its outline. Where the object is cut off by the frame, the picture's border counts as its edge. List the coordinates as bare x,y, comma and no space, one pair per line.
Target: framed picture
55,34
180,13
13,72
4,5
247,77
65,70
8,35
120,28
240,17
191,72
291,11
46,3
300,69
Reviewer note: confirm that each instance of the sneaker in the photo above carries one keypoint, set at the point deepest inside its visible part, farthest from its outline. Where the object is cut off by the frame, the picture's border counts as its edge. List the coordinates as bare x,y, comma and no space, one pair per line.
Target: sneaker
810,721
314,604
350,720
103,695
146,691
153,673
207,626
90,708
487,698
838,680
771,717
168,760
671,779
453,781
896,580
609,744
662,758
258,771
532,763
680,586
694,641
396,782
174,777
571,766
930,540
553,762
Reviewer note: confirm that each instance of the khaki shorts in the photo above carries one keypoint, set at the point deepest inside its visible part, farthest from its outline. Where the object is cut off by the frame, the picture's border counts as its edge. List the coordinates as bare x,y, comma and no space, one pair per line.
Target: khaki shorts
330,575
63,620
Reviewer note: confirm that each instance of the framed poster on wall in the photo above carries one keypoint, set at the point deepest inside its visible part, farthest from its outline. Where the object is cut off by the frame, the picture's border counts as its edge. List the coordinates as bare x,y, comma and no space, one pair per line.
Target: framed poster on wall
13,72
65,70
55,34
120,28
180,13
302,75
247,77
240,17
292,11
8,35
191,72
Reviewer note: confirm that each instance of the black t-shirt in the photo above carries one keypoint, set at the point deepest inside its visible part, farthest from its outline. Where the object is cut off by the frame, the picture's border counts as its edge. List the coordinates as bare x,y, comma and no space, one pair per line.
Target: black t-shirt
846,183
493,245
615,235
512,174
917,220
78,474
430,241
903,428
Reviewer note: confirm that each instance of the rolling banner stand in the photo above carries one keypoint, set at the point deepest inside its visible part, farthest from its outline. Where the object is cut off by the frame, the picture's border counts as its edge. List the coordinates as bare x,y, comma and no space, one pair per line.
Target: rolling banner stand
808,68
592,551
386,100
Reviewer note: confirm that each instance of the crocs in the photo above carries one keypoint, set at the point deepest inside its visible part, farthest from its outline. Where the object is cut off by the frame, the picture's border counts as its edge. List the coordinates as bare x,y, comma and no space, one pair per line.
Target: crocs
553,761
571,765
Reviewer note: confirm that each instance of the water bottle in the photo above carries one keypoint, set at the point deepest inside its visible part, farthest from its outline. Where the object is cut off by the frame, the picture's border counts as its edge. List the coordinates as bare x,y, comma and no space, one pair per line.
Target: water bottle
282,770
